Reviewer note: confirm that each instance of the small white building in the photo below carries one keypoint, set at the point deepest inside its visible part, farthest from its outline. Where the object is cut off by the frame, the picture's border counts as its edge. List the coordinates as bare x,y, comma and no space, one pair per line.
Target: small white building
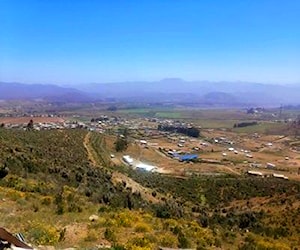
256,173
271,165
128,159
143,142
145,167
280,176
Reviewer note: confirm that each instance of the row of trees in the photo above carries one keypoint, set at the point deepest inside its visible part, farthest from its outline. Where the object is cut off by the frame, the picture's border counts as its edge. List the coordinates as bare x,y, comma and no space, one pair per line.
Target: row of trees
190,131
244,124
121,143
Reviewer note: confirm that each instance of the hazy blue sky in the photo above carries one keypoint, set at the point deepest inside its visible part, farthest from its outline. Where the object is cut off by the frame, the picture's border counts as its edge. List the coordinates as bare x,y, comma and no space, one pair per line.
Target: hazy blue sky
78,41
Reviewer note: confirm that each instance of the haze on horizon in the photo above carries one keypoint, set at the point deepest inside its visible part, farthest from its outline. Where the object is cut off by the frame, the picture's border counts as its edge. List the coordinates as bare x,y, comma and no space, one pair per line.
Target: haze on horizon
66,42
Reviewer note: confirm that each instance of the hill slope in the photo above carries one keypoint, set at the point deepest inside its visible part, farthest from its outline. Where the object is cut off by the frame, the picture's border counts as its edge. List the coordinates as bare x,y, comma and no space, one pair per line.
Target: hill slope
57,179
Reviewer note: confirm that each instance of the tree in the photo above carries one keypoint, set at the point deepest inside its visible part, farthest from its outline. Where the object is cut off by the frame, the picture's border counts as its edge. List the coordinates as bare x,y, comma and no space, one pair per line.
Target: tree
59,203
30,125
121,144
3,172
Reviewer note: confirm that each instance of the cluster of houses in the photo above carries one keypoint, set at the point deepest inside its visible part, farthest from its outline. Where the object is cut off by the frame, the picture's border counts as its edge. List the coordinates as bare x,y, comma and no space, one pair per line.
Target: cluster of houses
174,123
179,155
223,140
101,124
247,153
259,165
45,125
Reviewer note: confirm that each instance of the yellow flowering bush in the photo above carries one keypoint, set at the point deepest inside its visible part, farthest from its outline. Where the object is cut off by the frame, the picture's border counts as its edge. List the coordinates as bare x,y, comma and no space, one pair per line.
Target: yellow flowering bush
43,234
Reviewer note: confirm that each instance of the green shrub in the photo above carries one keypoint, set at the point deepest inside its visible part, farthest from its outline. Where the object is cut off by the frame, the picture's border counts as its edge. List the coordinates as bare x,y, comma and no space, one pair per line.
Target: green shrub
142,228
110,234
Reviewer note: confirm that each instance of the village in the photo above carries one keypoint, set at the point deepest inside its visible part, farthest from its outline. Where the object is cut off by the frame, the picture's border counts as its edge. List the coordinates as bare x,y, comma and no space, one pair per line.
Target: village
165,146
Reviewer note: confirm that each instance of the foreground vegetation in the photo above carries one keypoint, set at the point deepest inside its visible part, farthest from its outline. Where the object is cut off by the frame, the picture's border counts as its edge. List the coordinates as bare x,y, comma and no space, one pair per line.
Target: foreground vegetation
57,179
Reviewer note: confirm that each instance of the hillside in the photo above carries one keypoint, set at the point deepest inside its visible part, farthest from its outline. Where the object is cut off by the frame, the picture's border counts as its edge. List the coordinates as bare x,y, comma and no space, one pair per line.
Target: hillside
57,179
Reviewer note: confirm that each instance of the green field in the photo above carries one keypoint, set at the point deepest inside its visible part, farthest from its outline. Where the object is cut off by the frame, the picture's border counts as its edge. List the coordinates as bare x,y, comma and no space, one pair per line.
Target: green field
206,118
262,128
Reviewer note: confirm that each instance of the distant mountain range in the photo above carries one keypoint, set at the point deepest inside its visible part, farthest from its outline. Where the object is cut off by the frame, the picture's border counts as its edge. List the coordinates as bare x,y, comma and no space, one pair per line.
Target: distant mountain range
170,90
197,92
47,92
